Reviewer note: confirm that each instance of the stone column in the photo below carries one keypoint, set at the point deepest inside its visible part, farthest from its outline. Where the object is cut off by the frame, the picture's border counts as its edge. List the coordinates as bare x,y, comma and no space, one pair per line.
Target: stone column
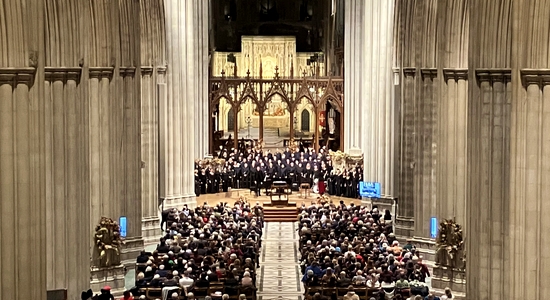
405,213
487,259
202,117
102,198
22,182
131,143
529,188
451,157
426,130
369,87
149,154
184,54
67,201
488,150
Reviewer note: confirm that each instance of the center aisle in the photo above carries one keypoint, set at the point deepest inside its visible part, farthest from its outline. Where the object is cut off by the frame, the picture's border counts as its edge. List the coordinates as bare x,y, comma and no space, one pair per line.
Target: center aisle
279,276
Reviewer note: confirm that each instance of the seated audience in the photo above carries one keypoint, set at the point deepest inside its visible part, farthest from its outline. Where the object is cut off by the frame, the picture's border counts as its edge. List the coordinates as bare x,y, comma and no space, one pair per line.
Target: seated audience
205,245
357,244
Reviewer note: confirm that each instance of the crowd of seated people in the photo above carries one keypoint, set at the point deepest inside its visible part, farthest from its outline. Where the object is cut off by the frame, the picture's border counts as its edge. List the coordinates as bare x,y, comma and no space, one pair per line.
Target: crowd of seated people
207,250
352,250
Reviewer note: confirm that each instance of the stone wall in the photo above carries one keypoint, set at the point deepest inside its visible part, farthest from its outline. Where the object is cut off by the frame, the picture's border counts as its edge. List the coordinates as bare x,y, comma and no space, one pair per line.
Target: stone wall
88,113
474,81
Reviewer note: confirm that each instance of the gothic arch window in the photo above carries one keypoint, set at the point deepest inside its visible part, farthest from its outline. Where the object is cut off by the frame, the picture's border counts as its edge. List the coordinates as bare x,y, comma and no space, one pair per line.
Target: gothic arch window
305,120
230,120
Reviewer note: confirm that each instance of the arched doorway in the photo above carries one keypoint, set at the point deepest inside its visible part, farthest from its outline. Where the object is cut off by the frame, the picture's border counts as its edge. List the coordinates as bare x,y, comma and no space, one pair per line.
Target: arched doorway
230,120
305,120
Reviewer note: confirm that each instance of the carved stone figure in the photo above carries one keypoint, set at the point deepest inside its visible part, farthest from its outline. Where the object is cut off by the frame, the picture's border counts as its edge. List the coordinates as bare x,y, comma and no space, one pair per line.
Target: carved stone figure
107,242
450,245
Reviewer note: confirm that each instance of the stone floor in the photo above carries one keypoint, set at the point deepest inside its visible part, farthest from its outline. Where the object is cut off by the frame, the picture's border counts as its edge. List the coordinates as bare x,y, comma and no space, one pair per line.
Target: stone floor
279,275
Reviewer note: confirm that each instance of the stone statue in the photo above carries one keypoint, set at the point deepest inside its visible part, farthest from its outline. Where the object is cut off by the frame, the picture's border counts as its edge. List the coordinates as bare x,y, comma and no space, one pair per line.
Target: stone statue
331,125
450,246
107,242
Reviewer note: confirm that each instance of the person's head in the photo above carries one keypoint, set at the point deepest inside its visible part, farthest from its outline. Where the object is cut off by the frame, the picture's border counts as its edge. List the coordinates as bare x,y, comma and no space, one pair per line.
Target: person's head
190,296
106,290
127,294
175,296
225,297
242,297
448,292
351,289
140,276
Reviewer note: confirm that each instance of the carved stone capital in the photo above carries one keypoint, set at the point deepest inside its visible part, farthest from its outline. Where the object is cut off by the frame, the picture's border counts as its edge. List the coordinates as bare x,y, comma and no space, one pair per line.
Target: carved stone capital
127,71
161,70
540,77
15,76
455,74
62,73
146,70
428,73
409,71
494,75
101,72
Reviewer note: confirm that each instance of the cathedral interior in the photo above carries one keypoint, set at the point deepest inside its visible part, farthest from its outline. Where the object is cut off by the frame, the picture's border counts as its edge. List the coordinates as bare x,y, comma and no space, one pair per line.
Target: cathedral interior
106,107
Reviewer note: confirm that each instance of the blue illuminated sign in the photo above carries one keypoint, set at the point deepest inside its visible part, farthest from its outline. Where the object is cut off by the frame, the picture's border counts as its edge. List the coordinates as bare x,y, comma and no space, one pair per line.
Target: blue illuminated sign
369,189
433,228
123,226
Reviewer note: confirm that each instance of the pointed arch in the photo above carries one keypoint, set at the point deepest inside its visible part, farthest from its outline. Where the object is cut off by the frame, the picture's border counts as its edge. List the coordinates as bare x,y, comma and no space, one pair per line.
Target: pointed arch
276,89
248,93
304,92
305,119
332,96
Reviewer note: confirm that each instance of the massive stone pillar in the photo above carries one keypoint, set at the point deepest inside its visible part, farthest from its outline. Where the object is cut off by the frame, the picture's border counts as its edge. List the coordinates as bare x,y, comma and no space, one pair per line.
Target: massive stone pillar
68,204
22,180
66,150
200,63
22,146
114,93
452,47
530,151
186,53
369,113
488,151
152,71
426,129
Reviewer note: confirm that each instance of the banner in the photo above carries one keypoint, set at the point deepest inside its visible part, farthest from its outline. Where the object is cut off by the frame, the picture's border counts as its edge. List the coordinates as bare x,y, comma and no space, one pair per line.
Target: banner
322,118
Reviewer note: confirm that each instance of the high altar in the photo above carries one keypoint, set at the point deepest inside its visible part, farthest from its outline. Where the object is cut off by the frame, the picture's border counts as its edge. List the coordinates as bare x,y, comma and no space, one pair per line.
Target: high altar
264,56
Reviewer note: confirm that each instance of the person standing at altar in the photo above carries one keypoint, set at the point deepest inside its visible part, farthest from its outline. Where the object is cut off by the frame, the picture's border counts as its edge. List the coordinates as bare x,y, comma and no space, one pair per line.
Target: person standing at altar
237,174
257,177
197,183
299,170
226,179
307,175
246,176
292,173
322,179
269,175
